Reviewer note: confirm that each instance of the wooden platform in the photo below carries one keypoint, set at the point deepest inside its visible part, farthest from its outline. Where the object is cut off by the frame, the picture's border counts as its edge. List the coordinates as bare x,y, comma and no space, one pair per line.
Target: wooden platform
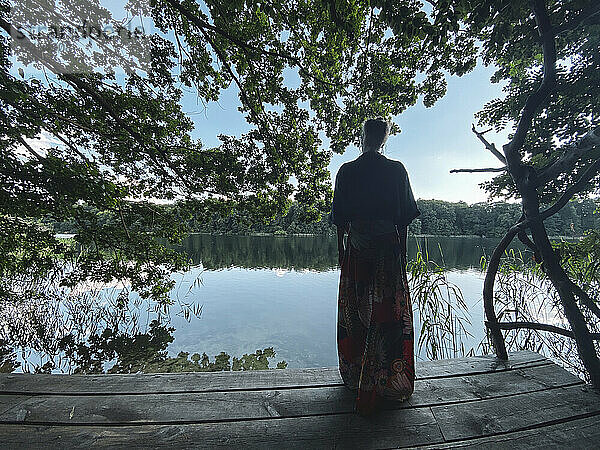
476,402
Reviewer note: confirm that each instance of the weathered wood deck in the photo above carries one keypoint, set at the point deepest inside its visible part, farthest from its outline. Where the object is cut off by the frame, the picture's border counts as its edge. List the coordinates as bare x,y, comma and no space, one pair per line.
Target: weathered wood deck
476,402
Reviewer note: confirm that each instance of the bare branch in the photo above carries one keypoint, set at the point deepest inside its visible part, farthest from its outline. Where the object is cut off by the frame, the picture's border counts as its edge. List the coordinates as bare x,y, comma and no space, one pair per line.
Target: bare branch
488,291
524,238
491,147
489,169
570,156
540,327
123,220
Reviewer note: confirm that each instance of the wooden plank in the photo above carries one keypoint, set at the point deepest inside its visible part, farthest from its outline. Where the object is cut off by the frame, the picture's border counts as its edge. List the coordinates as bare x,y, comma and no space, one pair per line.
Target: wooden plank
167,383
260,404
431,392
476,364
255,379
8,402
500,415
180,408
402,428
574,434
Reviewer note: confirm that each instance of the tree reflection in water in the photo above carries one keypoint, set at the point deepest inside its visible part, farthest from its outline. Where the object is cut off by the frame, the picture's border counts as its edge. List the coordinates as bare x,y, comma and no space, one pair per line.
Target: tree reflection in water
108,329
320,252
94,332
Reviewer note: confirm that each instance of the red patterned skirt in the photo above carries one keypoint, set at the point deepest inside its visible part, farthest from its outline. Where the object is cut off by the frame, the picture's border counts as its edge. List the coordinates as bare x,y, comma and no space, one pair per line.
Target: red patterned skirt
375,328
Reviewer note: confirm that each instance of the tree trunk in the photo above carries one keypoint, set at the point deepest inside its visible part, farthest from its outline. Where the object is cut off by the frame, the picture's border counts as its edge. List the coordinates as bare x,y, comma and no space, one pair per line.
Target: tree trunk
562,284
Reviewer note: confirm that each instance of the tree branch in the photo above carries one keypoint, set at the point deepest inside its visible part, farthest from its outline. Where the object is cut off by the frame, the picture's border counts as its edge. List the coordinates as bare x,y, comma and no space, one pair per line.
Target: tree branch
585,299
580,184
491,147
489,169
541,327
79,85
545,31
245,98
100,100
593,11
123,220
570,156
203,25
30,149
488,292
522,235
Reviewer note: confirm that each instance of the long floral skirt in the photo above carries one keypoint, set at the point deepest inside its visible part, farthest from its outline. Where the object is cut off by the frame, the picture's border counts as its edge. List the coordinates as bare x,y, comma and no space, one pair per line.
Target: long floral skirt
375,328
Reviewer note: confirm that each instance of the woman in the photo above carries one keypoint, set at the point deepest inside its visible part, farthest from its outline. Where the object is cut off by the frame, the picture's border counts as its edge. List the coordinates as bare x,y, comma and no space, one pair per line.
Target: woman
373,203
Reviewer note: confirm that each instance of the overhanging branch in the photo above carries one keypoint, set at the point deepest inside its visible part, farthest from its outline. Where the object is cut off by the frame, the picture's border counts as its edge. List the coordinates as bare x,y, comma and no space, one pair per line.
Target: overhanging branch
202,24
205,26
74,81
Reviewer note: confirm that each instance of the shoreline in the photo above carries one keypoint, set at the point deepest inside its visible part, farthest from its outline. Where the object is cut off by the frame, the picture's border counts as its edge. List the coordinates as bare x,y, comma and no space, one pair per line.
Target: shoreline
458,236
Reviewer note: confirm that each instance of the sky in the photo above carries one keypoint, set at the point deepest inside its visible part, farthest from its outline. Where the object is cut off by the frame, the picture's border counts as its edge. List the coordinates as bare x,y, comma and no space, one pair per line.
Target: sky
432,140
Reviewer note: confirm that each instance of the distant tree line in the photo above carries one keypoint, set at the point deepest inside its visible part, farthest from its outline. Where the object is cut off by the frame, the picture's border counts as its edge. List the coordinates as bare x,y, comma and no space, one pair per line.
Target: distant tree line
493,219
438,218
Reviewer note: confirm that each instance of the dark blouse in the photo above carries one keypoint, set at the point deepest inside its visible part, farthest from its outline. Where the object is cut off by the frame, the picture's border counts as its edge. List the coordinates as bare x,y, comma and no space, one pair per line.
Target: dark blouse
373,187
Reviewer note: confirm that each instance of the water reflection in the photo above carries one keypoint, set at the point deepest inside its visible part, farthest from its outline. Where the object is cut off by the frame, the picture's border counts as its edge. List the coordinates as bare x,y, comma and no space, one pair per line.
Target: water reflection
279,293
147,353
320,252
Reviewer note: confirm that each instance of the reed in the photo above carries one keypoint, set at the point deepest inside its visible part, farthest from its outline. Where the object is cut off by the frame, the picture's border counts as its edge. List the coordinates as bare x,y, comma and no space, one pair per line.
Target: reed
440,308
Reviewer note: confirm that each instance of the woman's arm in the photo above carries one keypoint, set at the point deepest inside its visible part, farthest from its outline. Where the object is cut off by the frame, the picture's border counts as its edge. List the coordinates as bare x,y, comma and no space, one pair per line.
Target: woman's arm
340,239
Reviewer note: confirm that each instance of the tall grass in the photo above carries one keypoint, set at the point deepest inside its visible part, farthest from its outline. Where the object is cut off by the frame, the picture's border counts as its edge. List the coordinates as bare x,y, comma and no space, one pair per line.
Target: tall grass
523,293
440,308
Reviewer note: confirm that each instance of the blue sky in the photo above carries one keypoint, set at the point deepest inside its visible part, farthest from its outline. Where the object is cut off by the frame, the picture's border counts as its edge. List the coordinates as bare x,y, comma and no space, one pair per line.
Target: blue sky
433,140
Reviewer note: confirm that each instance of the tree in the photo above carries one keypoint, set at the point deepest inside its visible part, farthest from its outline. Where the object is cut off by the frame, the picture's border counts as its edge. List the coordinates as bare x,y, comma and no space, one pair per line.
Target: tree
120,142
547,51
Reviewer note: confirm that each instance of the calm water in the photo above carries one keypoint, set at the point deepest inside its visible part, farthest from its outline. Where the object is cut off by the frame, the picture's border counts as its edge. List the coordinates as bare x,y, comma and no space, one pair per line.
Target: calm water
261,291
255,292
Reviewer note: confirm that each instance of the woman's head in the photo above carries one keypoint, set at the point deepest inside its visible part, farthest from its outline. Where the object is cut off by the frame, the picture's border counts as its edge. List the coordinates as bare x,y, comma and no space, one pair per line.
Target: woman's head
374,134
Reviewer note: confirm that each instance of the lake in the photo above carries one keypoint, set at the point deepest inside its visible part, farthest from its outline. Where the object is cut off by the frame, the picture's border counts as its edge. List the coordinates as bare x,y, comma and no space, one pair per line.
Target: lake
262,291
254,292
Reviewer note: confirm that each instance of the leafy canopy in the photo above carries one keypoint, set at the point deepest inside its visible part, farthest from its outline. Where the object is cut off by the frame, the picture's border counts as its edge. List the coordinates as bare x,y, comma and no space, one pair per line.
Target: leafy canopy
511,42
118,141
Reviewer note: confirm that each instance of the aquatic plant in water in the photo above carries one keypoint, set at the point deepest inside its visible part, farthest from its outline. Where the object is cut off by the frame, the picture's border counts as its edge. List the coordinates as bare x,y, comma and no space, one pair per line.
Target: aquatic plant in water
524,295
440,306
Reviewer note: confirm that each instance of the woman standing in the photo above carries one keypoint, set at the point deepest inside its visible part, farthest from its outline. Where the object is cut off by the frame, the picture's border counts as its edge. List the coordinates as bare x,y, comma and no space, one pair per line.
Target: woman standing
373,203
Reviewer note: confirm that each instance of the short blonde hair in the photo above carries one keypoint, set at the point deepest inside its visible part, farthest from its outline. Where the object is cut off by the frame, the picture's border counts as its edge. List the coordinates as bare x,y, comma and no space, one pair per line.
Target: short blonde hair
375,133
